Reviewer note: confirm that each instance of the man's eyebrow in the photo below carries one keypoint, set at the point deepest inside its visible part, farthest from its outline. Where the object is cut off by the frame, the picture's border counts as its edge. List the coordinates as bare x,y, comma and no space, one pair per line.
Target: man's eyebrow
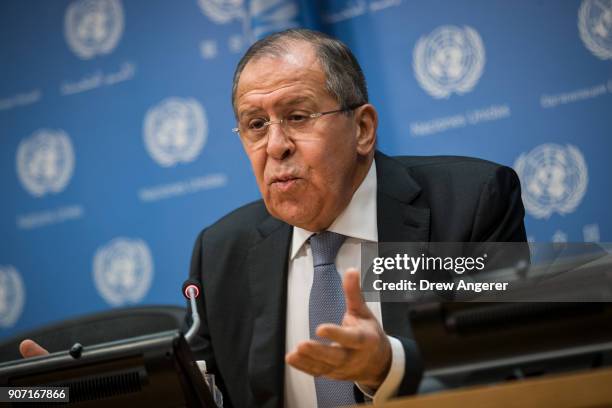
288,102
297,100
249,111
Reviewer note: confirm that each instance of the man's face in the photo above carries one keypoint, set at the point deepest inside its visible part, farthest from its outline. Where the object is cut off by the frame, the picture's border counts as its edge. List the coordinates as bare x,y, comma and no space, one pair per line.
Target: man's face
305,179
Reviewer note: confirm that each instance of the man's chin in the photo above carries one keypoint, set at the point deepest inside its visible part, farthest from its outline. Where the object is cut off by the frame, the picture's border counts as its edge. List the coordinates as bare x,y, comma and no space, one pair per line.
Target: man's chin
293,212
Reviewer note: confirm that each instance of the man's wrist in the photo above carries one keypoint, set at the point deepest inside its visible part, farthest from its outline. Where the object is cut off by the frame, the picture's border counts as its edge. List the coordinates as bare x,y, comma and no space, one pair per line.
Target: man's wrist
380,376
395,374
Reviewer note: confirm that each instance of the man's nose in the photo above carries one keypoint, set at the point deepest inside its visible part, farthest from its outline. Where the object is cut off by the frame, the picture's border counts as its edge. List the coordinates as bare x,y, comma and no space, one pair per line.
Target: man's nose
280,146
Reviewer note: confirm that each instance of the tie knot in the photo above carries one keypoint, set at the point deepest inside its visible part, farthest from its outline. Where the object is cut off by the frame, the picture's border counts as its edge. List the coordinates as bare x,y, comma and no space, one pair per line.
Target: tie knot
325,247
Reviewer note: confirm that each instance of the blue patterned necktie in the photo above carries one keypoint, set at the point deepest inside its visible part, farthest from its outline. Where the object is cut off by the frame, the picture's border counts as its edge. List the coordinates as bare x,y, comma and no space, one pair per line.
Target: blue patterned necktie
326,305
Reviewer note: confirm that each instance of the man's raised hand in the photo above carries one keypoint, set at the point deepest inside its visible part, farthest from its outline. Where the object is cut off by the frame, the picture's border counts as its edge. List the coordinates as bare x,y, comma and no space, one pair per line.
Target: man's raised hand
360,350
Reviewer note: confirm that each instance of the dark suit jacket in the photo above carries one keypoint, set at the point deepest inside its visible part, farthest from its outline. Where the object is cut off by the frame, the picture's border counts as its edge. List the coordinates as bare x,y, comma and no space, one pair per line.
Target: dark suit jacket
242,263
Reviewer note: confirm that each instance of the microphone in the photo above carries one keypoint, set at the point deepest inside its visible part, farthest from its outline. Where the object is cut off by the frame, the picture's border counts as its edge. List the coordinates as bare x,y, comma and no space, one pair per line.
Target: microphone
191,290
190,284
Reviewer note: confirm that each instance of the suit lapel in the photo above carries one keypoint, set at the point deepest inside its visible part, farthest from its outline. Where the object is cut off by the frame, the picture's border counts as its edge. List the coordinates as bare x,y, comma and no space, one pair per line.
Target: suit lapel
267,266
399,220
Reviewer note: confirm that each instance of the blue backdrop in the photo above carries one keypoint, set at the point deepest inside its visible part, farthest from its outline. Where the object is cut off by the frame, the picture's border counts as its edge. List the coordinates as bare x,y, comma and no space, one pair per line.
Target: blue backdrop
115,125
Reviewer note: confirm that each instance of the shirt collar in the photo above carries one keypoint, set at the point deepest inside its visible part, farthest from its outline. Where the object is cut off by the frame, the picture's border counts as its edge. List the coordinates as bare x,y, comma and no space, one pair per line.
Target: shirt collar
358,220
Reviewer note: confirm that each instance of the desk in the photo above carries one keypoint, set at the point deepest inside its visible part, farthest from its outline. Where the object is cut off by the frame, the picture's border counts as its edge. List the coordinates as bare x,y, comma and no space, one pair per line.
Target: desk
588,389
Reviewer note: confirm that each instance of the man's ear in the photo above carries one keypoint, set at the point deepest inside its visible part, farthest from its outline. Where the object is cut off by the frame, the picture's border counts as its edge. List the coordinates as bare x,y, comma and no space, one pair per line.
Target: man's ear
366,120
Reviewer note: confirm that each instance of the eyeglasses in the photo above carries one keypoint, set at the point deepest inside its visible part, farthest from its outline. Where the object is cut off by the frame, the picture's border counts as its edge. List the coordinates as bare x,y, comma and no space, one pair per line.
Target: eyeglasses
255,130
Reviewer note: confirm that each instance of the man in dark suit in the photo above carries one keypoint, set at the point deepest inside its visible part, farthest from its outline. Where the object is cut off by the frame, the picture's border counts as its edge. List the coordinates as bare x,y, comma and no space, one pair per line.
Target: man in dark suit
284,322
307,127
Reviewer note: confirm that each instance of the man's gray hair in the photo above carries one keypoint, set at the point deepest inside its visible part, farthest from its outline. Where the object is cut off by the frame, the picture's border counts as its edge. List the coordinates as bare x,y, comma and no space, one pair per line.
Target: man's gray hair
344,79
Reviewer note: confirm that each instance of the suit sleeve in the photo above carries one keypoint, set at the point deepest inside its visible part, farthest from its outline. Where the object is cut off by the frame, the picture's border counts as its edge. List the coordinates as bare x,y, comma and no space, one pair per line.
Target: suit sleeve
413,367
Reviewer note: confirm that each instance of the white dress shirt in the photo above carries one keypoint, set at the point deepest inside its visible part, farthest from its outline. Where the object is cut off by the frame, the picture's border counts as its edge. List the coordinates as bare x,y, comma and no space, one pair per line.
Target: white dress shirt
358,222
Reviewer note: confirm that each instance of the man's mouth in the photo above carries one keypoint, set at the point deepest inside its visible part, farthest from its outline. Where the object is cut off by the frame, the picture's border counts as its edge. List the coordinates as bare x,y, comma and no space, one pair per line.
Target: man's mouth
284,183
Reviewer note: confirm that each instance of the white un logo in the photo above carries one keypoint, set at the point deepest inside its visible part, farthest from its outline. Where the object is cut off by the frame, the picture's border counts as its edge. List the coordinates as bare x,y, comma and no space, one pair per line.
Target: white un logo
269,16
12,296
595,27
259,19
123,271
553,178
450,59
93,27
175,131
222,11
45,162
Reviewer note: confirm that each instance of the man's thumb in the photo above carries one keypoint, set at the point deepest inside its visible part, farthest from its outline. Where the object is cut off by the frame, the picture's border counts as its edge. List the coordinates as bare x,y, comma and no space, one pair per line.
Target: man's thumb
352,294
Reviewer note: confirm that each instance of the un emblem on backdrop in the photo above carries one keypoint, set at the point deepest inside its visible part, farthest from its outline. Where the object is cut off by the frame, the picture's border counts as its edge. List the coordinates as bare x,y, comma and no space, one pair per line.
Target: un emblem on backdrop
260,18
123,271
268,16
222,11
175,131
450,59
45,162
595,27
553,178
93,27
12,296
